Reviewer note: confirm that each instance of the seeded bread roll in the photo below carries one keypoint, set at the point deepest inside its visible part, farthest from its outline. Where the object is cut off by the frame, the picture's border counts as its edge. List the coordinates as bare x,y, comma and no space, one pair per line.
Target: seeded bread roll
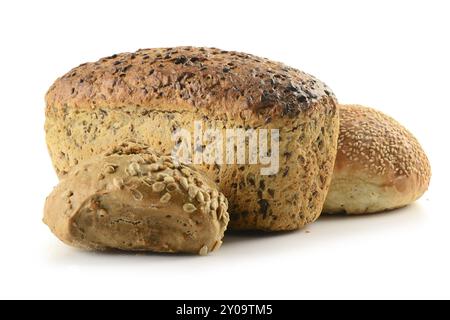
379,166
148,95
133,199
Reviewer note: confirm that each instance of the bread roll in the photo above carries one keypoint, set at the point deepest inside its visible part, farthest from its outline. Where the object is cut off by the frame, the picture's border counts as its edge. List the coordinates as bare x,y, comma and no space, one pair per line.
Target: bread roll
379,166
133,199
148,95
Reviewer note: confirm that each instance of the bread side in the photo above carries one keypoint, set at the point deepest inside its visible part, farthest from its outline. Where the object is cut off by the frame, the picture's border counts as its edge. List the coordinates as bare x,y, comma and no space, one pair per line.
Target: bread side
379,166
227,90
139,202
285,201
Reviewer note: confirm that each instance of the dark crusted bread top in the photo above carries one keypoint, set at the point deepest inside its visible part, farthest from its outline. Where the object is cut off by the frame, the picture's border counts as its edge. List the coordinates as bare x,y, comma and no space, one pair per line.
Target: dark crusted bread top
223,81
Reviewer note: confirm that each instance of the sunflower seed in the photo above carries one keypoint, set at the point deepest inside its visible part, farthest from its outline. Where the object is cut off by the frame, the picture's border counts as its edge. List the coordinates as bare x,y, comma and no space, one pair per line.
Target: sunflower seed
176,165
208,206
203,251
110,168
161,176
135,166
170,172
118,183
216,245
225,218
153,167
221,212
138,158
165,198
147,181
146,158
185,172
172,187
134,169
192,191
189,207
169,165
169,179
214,204
137,195
158,186
200,198
184,183
176,173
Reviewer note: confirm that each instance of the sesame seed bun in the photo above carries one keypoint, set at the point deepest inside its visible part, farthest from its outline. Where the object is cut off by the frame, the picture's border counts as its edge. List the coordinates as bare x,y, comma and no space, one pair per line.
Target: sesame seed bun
379,165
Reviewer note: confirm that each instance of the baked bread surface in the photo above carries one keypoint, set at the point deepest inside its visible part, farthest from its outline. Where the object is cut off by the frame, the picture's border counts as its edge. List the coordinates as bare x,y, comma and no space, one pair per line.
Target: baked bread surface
379,166
147,95
133,199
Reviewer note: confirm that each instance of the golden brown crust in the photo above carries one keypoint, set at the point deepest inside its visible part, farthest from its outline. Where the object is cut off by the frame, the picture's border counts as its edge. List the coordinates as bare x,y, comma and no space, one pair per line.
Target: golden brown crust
379,165
227,81
133,199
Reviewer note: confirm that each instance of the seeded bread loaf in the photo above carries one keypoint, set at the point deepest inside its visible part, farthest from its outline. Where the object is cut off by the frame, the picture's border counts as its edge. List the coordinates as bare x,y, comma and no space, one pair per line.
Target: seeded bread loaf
148,95
379,166
134,199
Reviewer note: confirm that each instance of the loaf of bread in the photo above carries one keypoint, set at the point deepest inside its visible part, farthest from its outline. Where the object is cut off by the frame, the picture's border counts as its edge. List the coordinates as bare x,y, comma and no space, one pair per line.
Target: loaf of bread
148,95
379,166
133,199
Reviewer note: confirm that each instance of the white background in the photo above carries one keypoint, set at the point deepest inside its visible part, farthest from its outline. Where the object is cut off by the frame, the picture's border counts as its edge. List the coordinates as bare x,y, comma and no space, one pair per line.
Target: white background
393,55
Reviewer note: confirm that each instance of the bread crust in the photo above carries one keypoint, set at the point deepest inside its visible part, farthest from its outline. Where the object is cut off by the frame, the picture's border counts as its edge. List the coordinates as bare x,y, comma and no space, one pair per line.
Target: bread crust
136,200
379,165
95,106
223,82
